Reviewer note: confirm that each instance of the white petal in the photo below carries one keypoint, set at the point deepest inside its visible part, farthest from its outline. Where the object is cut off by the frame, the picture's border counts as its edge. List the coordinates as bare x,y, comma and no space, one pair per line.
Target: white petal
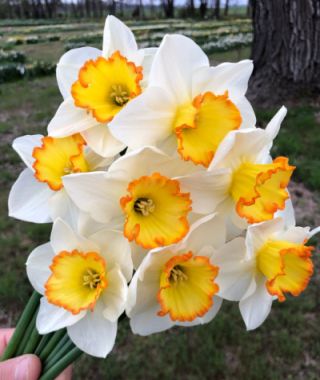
63,238
235,273
94,334
149,160
70,119
138,254
148,57
239,146
314,232
288,214
115,295
247,113
231,77
61,206
117,36
102,142
274,125
69,65
97,193
24,146
52,318
256,308
95,161
115,248
174,64
207,231
38,263
148,322
297,235
207,189
258,234
145,120
28,199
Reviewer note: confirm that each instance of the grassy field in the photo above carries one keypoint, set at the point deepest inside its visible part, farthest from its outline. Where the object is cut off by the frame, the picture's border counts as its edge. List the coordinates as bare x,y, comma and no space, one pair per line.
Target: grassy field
287,346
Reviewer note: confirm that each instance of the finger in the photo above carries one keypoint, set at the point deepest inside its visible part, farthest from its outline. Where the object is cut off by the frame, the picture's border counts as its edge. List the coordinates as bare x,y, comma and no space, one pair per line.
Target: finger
66,374
5,336
26,367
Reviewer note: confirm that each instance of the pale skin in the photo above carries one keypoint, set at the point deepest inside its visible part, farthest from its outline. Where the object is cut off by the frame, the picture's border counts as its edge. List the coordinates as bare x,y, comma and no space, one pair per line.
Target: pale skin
25,367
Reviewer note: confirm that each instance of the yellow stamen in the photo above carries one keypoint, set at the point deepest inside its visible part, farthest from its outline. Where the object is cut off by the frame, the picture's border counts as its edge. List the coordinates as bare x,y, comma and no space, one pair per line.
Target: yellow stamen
105,86
203,124
156,211
57,157
259,190
287,267
77,280
187,287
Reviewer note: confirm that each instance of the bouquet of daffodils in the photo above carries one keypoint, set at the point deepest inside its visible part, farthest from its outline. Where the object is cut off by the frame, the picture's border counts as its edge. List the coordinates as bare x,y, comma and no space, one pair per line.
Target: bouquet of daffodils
164,200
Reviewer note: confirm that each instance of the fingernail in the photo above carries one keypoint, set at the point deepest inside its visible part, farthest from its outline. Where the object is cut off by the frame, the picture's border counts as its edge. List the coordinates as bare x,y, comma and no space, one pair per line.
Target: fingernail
22,369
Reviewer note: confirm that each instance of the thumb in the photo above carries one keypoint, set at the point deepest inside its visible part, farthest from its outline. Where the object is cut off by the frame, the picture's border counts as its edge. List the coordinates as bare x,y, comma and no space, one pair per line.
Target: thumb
26,367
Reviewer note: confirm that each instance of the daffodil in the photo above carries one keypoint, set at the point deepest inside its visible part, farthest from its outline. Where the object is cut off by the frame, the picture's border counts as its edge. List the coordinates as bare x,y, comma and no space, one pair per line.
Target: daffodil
84,285
146,194
188,105
97,85
279,263
180,284
256,188
38,194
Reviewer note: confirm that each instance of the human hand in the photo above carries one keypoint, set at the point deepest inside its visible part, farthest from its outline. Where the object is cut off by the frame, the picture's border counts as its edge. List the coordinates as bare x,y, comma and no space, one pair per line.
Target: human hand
25,367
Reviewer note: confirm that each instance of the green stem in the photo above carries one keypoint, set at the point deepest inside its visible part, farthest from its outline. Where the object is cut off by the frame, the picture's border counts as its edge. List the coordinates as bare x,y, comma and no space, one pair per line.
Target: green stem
32,342
27,335
55,339
22,325
68,346
42,344
57,348
61,365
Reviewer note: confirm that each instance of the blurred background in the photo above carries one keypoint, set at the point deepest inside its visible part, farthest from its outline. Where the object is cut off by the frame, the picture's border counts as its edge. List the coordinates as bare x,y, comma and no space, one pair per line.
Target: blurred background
283,39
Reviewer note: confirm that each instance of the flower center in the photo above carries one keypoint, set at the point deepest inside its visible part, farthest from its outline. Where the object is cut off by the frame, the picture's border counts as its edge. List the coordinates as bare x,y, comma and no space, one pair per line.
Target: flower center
104,86
287,267
77,280
177,274
201,125
156,211
259,190
91,278
119,94
144,206
187,287
57,157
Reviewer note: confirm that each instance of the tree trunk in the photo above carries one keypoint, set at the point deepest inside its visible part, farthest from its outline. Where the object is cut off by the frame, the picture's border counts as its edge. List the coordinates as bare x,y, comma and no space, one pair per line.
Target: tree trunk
168,7
217,9
203,8
286,45
226,8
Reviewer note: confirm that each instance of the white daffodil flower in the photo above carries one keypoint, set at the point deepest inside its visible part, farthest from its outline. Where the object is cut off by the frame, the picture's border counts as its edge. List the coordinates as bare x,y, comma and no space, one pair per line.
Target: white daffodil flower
96,85
182,284
147,195
188,105
84,285
38,195
257,186
278,262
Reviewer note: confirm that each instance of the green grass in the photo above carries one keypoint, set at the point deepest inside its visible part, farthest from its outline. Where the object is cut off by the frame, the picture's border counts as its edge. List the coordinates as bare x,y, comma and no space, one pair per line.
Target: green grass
285,347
